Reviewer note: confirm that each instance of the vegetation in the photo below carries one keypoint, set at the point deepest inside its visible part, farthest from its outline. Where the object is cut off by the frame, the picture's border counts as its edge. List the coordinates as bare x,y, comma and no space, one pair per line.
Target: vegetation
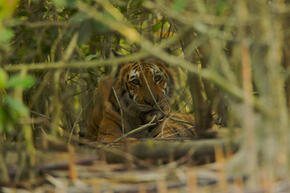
234,57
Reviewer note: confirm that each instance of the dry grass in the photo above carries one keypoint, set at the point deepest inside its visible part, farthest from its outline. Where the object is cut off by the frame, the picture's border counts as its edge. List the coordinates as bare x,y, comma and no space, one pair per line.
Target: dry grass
235,61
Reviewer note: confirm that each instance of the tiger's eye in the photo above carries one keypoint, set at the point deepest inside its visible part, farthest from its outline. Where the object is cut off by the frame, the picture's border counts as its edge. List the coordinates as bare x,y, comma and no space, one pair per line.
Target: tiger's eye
157,78
135,81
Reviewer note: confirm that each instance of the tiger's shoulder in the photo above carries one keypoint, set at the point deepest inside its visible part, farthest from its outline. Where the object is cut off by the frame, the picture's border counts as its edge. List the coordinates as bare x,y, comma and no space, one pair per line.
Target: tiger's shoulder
97,108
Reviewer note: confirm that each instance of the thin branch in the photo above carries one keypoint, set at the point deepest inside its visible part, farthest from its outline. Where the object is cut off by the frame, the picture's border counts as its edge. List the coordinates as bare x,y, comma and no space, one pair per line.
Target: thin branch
121,110
89,64
74,64
141,128
41,24
4,174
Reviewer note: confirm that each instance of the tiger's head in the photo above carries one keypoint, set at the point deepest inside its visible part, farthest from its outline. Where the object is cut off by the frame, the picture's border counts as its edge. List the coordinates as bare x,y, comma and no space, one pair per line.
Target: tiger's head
145,86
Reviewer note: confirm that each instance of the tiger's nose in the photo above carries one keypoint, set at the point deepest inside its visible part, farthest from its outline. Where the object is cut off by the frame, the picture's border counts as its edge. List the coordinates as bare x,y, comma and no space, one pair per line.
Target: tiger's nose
150,101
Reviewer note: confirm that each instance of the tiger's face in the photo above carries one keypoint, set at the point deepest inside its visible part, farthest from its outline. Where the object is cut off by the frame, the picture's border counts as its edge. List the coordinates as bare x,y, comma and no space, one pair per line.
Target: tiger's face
146,85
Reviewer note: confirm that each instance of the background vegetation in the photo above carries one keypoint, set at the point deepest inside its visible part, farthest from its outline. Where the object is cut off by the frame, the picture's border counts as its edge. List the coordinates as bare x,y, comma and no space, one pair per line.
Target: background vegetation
234,56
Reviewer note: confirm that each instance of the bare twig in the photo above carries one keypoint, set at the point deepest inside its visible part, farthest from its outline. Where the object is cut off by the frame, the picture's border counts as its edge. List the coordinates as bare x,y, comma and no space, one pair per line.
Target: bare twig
121,110
40,24
141,128
3,167
75,64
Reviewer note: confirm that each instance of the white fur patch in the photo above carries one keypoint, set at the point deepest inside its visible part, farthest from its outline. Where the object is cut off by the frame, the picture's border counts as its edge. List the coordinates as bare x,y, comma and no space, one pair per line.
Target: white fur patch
134,74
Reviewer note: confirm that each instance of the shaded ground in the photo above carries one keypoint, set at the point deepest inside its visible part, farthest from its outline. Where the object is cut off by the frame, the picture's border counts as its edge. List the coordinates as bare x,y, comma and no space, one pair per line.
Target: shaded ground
139,166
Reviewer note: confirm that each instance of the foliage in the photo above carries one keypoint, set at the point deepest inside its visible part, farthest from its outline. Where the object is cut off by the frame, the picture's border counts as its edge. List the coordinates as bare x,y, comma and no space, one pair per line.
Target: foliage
6,10
11,109
234,55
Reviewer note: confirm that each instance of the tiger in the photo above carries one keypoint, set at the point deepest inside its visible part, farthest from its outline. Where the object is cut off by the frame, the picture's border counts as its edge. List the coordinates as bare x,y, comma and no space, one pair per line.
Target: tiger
139,93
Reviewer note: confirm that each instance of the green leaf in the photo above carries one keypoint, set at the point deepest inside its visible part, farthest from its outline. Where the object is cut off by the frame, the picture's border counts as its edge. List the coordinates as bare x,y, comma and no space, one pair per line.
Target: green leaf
99,27
78,17
59,3
179,5
16,106
86,31
6,35
1,120
150,16
24,82
91,57
222,6
64,3
157,26
3,78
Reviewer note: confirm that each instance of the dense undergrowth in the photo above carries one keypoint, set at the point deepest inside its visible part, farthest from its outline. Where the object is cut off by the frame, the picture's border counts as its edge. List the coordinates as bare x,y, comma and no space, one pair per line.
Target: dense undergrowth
233,57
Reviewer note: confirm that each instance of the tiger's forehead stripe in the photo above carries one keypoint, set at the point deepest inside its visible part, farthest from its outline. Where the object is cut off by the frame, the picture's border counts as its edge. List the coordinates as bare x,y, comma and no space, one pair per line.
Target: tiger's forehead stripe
125,69
155,69
134,73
